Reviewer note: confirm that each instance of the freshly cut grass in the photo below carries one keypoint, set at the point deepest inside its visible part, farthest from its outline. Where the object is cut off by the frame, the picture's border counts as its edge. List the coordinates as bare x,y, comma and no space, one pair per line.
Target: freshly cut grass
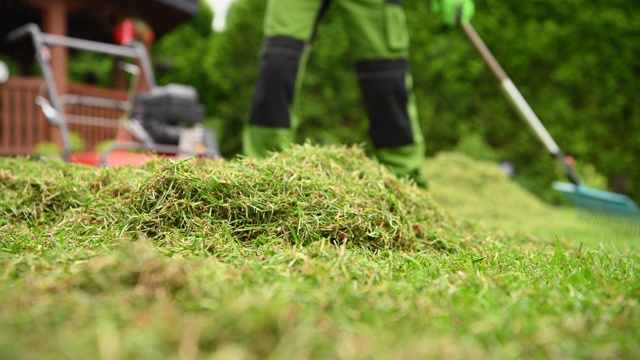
479,191
315,253
307,194
459,181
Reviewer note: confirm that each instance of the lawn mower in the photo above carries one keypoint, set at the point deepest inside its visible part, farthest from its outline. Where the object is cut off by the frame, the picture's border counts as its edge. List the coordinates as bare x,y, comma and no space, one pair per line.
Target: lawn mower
164,121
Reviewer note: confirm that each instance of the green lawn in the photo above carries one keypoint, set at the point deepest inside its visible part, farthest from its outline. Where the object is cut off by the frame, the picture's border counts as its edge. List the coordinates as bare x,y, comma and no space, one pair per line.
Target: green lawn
479,192
313,253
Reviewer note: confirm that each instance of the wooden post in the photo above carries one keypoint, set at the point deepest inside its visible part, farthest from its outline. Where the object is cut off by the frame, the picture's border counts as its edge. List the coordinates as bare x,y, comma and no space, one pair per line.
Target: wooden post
54,21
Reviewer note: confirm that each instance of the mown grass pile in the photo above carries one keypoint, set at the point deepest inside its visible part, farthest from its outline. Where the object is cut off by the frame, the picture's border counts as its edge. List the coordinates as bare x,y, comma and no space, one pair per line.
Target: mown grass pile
305,195
458,180
480,191
313,253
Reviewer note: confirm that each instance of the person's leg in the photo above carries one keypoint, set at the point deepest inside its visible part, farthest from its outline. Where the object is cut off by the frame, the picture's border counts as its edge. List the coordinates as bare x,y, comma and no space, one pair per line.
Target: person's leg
380,42
289,26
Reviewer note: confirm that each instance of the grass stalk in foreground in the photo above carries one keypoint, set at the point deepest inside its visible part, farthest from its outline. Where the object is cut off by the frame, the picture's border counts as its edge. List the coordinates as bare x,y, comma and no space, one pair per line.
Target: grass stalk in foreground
277,259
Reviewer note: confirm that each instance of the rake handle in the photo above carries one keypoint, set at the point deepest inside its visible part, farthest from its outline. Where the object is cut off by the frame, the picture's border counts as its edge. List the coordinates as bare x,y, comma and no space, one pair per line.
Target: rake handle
518,101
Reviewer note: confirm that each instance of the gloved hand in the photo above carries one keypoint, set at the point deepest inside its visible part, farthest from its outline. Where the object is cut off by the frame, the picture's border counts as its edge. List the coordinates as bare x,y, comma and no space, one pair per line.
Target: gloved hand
454,11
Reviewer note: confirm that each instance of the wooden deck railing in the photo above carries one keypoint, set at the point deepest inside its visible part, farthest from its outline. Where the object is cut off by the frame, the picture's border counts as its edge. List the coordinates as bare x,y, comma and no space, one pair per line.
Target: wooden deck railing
23,126
106,119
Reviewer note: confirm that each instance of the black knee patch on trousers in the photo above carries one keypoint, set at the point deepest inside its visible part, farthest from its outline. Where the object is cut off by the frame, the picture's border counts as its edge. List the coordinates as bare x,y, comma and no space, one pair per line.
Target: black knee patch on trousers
386,99
276,84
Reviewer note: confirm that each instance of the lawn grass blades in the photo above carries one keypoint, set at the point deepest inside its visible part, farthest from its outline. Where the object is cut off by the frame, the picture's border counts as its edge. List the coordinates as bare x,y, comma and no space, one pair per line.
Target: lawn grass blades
467,188
303,195
313,253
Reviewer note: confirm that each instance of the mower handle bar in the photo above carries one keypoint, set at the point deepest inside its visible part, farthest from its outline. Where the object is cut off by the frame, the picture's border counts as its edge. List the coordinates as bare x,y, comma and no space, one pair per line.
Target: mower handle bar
135,51
22,31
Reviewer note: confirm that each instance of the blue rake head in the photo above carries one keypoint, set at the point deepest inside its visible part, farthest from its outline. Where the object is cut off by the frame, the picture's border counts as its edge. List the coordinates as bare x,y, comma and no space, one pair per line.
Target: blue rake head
598,200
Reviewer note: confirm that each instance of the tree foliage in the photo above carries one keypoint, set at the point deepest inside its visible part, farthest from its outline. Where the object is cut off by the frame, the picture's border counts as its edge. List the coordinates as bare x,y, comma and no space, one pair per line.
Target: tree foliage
576,63
184,55
235,67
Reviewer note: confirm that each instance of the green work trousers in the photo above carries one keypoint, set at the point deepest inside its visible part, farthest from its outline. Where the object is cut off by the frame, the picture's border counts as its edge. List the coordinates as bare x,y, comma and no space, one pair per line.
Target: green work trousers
377,31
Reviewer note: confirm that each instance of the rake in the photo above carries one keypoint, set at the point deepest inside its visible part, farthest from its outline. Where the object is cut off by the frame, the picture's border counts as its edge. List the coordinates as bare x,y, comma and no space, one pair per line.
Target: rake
579,194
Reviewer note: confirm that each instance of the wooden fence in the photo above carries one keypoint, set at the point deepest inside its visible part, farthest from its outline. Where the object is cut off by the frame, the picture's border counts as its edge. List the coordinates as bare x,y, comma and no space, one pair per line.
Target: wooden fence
23,126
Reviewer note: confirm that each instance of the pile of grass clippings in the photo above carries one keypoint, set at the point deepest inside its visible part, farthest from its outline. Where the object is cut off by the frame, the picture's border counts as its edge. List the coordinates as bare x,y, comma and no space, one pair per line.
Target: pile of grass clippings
314,253
479,190
481,193
303,195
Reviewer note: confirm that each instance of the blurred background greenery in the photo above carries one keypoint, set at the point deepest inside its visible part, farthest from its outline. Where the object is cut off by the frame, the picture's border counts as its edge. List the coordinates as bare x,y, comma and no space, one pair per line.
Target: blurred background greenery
577,63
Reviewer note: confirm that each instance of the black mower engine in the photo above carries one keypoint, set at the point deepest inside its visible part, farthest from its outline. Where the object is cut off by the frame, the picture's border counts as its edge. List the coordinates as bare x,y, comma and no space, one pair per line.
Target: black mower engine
164,111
